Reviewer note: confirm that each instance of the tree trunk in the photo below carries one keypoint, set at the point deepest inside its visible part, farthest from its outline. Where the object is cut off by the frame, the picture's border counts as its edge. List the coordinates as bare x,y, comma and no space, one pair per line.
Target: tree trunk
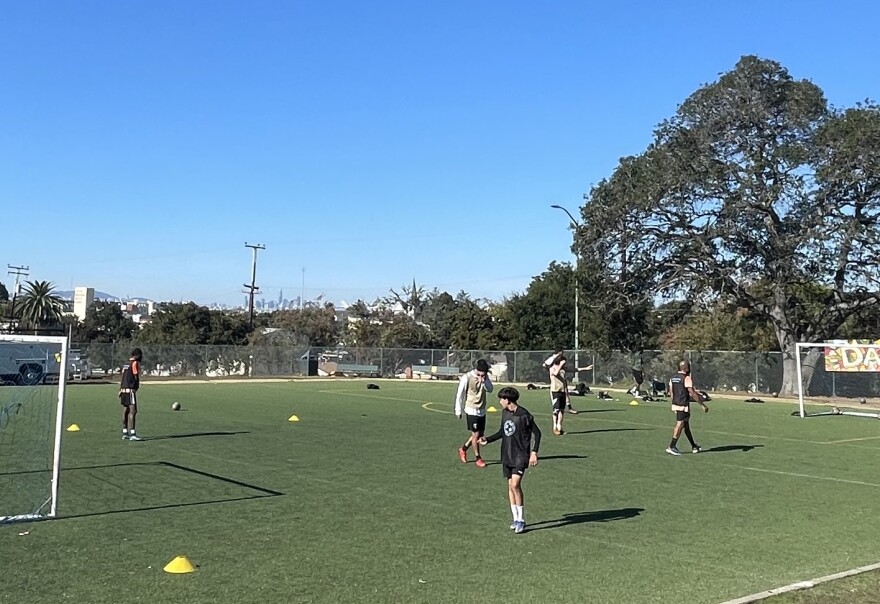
788,342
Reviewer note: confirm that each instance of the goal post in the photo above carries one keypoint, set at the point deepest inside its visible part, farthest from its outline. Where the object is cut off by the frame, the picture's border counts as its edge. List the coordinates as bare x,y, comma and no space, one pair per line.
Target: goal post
839,374
33,378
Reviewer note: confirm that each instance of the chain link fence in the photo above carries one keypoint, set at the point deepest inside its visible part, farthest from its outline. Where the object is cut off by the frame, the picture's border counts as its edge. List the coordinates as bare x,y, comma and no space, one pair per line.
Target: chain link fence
713,370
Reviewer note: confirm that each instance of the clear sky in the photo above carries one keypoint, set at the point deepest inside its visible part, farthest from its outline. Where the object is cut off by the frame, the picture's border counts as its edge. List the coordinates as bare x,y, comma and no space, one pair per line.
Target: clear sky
142,143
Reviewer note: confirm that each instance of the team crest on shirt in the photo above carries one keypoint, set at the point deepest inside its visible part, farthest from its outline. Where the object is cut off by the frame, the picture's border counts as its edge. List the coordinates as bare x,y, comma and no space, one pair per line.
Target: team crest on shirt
509,428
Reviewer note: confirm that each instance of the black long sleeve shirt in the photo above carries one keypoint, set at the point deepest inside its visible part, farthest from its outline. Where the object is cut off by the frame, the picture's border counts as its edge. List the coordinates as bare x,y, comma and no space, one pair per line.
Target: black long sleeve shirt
516,433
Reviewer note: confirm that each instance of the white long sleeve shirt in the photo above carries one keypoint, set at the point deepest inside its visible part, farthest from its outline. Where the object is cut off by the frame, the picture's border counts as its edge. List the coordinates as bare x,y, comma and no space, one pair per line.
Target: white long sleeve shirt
471,394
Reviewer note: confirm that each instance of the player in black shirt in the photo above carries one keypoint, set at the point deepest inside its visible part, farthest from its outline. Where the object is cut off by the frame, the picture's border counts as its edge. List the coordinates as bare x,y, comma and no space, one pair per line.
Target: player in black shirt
518,427
128,387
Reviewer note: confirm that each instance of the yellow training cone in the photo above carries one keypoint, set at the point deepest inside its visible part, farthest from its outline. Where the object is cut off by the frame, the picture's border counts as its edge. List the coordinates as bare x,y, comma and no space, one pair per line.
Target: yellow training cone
293,418
73,428
492,410
634,403
180,565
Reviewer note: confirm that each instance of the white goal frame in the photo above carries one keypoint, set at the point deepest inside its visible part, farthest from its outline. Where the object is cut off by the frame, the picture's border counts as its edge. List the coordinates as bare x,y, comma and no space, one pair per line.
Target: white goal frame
800,346
59,420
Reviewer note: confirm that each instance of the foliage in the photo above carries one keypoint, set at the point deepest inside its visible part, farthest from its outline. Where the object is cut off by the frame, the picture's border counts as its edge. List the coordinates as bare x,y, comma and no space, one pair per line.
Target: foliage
39,307
755,194
315,326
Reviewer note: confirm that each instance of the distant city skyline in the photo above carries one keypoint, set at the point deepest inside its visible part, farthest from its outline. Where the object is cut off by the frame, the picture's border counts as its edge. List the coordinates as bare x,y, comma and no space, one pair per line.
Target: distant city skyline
367,143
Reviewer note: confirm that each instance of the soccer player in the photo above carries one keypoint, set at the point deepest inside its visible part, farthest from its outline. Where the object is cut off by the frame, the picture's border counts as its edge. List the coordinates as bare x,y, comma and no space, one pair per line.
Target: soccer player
638,374
128,387
471,396
559,396
549,362
681,388
520,441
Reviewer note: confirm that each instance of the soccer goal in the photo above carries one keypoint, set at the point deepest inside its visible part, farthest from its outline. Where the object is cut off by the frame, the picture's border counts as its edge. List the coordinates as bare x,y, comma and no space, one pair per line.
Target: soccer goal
844,375
33,374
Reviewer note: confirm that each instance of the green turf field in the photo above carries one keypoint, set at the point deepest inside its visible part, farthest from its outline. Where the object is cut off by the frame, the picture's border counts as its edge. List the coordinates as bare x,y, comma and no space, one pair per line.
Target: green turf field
364,500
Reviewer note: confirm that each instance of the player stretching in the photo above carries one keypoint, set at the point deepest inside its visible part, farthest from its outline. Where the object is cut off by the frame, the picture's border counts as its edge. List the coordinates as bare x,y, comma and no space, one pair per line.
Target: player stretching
128,387
559,396
518,427
681,387
471,395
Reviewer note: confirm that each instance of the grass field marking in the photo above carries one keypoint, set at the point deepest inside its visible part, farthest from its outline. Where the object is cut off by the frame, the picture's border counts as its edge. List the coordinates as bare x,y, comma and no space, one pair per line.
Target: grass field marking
427,407
372,396
762,595
799,475
849,440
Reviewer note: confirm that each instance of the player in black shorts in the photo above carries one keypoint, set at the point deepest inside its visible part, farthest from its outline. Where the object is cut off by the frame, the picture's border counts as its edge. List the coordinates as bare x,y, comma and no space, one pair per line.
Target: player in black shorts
681,388
128,387
518,451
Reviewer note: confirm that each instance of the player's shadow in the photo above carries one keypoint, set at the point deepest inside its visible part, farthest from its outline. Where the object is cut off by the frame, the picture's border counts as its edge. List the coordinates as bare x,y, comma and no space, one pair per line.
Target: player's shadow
607,430
581,517
543,458
727,448
194,434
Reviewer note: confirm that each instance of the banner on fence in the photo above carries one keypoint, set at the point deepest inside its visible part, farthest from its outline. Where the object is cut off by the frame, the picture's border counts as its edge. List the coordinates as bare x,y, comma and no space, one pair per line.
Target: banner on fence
856,356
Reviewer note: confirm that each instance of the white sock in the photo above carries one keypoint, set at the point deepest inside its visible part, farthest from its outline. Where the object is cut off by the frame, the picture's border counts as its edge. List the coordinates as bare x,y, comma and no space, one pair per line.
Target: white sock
518,513
125,431
513,511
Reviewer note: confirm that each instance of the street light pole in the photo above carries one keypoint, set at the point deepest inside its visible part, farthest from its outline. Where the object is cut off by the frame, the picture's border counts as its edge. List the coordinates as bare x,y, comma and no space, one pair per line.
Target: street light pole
577,264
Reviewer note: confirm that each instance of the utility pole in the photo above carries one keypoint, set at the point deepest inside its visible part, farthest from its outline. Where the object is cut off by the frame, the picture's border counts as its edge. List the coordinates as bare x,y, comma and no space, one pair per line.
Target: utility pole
576,226
18,271
252,288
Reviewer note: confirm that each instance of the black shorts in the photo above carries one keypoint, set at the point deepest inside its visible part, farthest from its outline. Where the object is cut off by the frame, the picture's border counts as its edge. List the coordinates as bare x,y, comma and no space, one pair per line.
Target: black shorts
128,398
559,400
682,416
509,471
476,423
638,376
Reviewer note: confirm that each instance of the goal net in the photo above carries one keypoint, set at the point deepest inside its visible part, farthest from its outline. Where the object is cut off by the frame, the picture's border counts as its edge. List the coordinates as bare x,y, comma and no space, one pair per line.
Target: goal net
838,378
33,373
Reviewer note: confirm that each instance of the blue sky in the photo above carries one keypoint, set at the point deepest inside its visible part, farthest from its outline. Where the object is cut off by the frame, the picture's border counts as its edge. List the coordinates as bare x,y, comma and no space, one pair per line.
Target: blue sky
370,143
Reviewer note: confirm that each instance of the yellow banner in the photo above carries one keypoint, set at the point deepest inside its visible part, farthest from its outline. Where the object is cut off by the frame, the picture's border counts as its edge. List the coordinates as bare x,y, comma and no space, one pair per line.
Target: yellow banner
854,357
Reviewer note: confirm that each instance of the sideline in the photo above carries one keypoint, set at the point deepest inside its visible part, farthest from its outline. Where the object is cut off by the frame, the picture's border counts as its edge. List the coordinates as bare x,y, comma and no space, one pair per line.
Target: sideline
810,583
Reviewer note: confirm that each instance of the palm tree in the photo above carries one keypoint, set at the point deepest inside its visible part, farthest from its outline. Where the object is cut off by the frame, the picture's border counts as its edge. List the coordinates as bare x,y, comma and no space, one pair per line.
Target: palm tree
39,307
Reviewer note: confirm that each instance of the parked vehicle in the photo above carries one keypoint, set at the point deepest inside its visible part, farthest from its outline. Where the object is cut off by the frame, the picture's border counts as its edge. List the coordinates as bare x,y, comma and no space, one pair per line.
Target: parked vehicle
24,364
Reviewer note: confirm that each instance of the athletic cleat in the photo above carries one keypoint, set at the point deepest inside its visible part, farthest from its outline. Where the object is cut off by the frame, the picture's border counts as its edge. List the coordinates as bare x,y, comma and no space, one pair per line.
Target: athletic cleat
513,525
572,411
697,449
481,463
557,432
520,527
125,437
462,455
673,451
134,437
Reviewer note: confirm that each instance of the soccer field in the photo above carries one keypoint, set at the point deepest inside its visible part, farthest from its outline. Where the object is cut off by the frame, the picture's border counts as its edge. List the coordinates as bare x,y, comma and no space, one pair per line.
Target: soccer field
364,500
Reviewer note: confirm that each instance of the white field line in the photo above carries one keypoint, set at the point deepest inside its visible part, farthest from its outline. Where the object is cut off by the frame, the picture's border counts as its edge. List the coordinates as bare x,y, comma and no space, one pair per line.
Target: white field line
850,440
810,476
761,595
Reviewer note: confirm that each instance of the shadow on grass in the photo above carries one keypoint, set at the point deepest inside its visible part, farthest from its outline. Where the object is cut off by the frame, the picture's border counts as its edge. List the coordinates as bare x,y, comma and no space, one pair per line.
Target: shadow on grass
542,459
726,448
582,517
193,434
608,430
256,492
582,411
